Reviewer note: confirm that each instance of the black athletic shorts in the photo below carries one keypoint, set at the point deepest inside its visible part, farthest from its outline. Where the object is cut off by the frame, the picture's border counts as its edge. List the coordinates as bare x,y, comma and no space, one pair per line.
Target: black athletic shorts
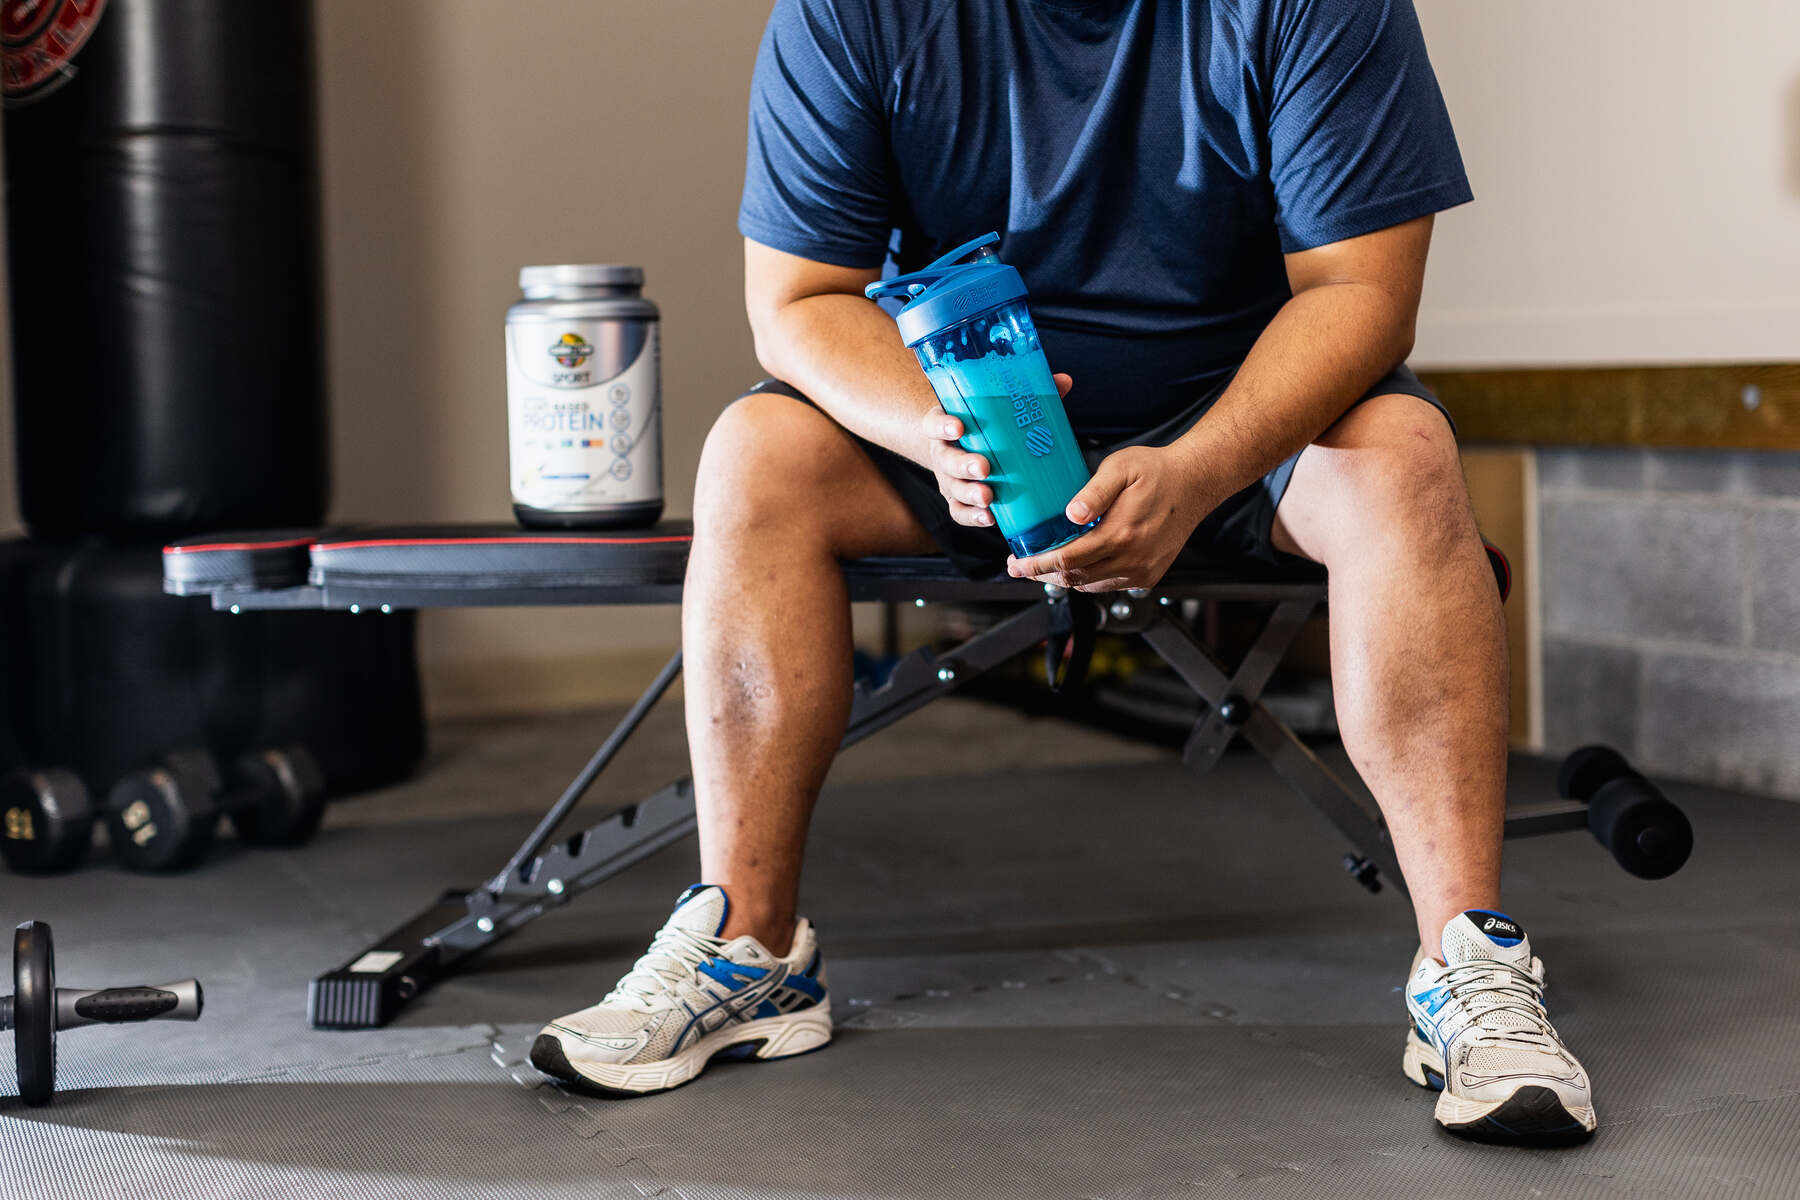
1241,527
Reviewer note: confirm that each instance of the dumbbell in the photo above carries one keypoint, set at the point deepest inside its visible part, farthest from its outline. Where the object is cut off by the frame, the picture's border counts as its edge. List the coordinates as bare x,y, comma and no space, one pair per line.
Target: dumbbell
1629,815
46,821
163,817
38,1009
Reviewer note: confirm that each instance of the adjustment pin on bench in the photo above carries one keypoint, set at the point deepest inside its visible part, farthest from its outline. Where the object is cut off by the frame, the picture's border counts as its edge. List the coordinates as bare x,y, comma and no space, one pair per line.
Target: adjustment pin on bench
1363,871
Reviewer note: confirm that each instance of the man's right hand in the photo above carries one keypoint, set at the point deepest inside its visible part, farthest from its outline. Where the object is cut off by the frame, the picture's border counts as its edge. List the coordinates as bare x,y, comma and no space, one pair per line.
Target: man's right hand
960,473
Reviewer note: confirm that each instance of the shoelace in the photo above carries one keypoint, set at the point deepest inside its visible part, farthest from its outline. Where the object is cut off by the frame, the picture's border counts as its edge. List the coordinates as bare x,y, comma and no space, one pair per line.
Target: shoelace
1519,992
674,955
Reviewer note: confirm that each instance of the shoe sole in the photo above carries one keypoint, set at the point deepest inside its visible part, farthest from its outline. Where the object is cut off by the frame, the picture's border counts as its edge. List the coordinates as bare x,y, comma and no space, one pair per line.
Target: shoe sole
770,1038
1533,1114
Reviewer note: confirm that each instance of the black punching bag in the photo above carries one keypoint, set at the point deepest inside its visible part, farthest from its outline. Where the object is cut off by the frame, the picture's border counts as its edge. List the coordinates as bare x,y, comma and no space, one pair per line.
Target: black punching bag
162,245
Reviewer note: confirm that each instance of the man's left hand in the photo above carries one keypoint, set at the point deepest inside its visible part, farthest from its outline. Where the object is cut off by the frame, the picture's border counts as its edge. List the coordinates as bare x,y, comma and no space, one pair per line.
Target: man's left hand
1152,497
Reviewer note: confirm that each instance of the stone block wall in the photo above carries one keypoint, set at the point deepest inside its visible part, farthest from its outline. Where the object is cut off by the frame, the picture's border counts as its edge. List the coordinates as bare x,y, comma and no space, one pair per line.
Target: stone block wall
1670,597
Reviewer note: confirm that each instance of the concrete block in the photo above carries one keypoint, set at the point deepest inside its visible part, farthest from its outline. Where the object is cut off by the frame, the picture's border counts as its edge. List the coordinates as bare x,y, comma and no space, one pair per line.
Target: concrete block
1775,473
1775,582
1605,467
1590,695
1726,471
1650,568
1723,720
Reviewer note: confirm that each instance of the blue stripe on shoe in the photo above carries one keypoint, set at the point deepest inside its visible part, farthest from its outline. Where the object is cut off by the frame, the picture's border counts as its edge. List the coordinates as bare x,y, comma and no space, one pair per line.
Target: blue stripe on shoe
806,986
733,975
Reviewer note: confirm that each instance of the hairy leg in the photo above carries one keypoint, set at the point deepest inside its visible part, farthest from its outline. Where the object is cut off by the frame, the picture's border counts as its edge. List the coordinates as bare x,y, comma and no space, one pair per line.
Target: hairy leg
783,494
1418,644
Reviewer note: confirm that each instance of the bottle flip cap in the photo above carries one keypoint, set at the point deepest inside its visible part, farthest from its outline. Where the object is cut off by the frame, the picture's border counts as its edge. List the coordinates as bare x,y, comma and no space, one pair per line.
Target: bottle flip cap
948,291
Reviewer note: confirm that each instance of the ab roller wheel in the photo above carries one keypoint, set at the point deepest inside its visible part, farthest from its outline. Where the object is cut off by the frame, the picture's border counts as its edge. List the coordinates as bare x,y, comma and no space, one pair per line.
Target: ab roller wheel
38,1009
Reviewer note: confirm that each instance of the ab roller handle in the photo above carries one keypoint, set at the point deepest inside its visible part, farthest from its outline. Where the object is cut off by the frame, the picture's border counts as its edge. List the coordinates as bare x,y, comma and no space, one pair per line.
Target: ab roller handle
113,1006
39,1009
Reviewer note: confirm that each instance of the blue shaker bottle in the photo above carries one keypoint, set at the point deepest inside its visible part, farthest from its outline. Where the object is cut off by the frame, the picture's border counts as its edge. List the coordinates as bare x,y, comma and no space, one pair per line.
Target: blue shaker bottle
968,324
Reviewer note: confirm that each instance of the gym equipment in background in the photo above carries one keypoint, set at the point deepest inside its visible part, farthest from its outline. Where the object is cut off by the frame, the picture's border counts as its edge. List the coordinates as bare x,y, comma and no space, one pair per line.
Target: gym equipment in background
38,1009
109,676
162,817
1628,814
968,325
427,567
46,821
163,247
163,250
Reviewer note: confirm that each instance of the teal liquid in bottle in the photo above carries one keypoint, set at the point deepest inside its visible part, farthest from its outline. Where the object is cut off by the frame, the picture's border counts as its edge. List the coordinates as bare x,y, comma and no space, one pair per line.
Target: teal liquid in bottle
969,326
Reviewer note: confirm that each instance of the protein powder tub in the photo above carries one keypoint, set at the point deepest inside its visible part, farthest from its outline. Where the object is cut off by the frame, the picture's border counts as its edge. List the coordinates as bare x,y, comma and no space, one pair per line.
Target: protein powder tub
584,399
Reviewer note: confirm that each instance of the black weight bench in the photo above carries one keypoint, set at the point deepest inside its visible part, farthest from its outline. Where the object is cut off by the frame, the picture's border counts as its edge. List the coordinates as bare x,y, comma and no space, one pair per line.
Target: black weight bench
377,569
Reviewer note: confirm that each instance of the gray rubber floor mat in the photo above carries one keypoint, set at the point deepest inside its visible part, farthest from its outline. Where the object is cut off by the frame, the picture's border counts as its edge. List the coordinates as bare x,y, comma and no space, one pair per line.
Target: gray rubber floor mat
1086,981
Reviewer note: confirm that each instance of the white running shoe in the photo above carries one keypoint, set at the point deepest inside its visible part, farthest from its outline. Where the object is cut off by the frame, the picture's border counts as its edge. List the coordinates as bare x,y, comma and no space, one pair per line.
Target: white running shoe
1480,1037
693,997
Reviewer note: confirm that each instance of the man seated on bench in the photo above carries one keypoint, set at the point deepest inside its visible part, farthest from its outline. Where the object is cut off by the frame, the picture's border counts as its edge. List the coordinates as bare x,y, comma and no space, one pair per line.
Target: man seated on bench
1222,211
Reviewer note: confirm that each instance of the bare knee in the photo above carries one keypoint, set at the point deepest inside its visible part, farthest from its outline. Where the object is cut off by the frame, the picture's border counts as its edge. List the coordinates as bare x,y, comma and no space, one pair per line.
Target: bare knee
1385,478
768,456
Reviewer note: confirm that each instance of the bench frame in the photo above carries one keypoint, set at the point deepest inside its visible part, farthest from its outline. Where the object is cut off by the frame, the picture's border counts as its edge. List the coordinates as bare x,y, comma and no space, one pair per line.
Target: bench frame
548,870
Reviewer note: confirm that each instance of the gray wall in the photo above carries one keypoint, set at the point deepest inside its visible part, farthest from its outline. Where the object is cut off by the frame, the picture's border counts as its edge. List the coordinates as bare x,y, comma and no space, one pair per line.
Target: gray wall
1671,610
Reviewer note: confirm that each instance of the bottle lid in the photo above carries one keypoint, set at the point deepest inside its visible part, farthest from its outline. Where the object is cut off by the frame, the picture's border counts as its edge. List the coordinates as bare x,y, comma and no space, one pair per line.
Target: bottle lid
546,279
948,291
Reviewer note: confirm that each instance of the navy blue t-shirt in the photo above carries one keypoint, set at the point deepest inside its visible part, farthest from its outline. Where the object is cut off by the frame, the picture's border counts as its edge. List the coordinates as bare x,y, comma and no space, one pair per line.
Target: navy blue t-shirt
1147,162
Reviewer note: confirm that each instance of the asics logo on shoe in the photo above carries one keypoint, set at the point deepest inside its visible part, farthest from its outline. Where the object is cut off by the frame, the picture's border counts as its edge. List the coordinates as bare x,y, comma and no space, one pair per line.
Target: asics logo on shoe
1432,1000
1503,928
759,983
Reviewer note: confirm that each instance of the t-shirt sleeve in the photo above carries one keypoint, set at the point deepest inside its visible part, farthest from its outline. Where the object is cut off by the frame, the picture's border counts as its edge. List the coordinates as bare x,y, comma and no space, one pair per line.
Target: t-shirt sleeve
816,173
1359,138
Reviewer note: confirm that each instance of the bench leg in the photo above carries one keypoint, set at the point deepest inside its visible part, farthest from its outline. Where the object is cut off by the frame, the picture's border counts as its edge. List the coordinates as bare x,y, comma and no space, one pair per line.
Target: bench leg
1234,709
372,988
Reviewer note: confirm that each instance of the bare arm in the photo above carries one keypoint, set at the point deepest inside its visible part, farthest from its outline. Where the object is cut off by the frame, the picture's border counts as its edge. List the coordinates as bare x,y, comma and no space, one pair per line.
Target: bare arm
1351,320
815,330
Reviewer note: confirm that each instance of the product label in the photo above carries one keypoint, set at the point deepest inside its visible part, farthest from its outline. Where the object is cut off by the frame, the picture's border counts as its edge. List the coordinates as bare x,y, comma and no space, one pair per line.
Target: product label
585,424
38,40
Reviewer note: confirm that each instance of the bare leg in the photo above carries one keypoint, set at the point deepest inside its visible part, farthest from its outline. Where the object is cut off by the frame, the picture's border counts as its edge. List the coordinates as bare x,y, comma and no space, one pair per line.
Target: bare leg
783,494
1418,645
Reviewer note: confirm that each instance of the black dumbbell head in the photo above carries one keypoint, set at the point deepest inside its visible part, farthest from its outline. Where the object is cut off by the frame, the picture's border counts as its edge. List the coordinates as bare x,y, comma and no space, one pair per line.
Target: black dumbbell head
1643,829
34,1012
46,821
277,798
160,820
1585,770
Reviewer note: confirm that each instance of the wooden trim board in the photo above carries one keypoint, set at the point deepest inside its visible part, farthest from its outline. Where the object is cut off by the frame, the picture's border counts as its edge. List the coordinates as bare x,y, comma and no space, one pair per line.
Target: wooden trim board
1734,406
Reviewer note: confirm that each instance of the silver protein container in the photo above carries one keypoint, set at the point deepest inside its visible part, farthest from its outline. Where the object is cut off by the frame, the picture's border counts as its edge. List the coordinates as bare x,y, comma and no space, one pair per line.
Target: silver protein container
584,399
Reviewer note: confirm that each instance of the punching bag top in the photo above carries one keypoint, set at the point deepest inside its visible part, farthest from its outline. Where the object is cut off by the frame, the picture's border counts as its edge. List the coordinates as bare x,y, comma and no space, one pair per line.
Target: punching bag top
162,246
174,66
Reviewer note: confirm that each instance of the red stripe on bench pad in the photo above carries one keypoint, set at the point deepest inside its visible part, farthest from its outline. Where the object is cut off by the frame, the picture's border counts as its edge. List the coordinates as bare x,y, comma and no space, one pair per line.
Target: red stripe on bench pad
505,541
291,542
